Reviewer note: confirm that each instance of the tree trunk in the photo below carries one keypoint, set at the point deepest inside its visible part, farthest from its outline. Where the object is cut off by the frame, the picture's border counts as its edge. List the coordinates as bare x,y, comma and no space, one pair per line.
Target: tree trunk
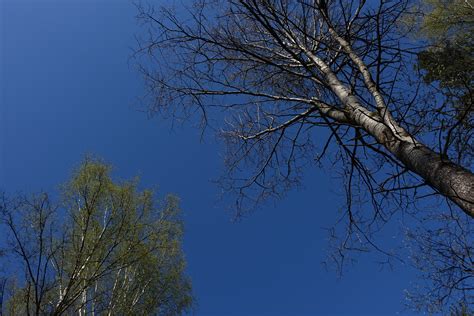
446,177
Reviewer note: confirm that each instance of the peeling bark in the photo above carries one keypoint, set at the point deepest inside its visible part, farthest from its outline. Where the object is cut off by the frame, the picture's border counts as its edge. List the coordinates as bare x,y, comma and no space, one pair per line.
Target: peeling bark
334,62
449,179
446,177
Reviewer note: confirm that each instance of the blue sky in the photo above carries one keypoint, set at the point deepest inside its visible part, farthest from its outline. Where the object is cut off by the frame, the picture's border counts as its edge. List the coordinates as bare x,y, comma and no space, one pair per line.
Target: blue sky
67,90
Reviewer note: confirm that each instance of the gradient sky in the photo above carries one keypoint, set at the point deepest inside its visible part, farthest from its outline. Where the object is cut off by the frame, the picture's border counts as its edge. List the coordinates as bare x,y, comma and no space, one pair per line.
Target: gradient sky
67,90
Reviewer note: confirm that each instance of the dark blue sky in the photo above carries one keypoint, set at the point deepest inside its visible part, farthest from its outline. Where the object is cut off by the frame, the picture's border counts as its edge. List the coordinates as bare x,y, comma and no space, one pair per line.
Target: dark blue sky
67,90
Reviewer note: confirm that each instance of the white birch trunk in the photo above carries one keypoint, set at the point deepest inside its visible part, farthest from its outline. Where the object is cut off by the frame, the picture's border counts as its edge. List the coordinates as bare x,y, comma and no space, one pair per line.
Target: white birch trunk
446,177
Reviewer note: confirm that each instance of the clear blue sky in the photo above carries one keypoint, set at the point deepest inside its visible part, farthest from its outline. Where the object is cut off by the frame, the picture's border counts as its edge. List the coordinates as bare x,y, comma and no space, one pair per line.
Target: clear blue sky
67,90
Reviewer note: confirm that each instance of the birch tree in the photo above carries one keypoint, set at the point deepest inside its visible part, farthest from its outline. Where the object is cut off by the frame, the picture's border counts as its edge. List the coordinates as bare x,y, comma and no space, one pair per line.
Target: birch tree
277,70
290,85
105,249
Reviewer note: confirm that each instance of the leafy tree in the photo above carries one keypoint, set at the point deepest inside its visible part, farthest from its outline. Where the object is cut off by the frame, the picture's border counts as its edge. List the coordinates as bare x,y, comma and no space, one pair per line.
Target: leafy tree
106,248
448,27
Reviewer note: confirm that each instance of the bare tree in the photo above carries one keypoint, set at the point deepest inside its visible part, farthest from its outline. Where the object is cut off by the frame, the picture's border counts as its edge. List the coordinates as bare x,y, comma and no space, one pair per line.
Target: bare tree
3,282
32,237
116,252
288,83
278,69
443,251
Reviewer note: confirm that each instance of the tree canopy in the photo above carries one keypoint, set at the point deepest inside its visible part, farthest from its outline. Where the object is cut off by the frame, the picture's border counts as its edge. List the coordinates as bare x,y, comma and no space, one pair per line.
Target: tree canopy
104,248
448,27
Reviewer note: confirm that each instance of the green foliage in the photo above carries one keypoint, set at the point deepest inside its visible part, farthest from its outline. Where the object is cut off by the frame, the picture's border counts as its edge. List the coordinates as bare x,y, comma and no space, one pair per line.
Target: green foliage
452,66
118,251
448,19
448,63
449,25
